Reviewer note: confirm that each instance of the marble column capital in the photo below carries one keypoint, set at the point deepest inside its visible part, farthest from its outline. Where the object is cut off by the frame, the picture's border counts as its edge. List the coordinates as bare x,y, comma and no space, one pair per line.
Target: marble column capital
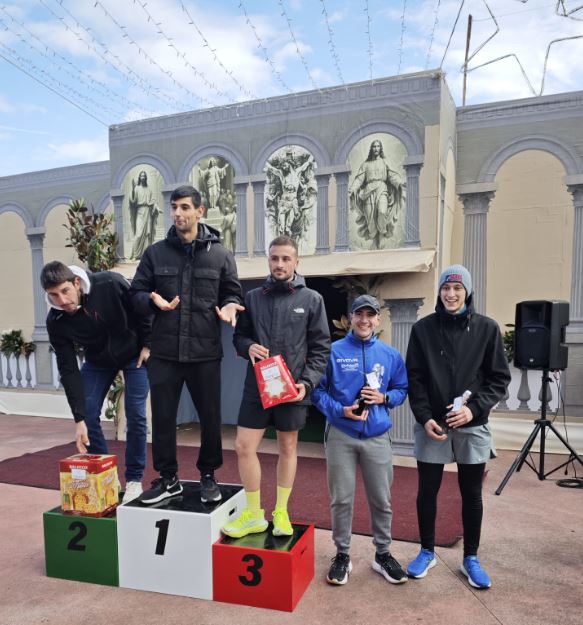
476,203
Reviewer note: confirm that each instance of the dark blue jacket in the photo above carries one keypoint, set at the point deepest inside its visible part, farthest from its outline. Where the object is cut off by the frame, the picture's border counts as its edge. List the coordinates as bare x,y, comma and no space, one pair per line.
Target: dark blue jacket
350,360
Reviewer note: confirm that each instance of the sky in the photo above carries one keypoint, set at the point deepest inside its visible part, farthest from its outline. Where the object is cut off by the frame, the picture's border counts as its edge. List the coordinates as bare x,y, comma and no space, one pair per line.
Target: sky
71,68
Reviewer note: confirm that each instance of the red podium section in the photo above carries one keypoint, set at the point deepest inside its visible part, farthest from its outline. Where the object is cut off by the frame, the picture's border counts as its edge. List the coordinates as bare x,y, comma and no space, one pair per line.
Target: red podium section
263,570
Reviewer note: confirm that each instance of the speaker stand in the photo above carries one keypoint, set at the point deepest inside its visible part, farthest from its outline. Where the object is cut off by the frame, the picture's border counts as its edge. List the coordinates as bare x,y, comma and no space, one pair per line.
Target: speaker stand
540,426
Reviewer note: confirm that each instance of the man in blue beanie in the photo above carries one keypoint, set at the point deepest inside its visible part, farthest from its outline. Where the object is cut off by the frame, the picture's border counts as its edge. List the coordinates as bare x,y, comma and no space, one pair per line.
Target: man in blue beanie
457,372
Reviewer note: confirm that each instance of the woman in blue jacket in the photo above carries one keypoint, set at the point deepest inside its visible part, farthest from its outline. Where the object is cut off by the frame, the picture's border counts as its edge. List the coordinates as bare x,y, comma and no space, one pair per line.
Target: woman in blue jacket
361,370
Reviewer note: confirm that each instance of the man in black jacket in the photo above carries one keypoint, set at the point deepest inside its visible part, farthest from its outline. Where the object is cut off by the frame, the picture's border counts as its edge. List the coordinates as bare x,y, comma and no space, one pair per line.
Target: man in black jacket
281,317
94,312
457,372
189,281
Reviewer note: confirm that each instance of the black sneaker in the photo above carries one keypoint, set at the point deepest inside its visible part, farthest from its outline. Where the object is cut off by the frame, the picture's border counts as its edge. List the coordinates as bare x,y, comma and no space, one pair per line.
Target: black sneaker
162,488
340,569
389,568
209,489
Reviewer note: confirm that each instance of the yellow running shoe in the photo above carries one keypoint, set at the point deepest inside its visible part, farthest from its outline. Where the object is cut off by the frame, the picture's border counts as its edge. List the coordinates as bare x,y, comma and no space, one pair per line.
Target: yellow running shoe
248,522
281,524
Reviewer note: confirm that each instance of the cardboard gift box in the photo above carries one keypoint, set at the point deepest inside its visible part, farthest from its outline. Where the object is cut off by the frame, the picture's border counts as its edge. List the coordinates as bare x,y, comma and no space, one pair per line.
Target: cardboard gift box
274,381
89,484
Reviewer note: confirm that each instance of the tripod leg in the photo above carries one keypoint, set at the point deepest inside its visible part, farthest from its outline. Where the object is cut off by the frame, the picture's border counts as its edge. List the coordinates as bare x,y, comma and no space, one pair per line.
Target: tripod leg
519,460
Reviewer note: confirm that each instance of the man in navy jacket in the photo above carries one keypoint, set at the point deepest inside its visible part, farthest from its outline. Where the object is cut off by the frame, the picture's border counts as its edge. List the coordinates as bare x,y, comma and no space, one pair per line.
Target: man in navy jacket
361,370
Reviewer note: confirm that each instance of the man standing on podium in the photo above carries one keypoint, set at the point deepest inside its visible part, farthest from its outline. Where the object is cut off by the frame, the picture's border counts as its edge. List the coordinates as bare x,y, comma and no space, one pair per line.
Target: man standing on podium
189,281
281,317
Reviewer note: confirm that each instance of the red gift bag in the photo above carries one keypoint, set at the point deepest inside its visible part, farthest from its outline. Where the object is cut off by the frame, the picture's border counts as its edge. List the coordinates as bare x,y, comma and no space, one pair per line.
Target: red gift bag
274,381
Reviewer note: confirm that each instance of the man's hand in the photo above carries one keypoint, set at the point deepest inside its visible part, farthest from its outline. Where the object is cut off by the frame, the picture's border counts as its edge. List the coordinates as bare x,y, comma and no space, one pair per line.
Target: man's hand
162,304
257,352
81,437
143,357
228,313
434,431
372,396
459,417
349,414
301,388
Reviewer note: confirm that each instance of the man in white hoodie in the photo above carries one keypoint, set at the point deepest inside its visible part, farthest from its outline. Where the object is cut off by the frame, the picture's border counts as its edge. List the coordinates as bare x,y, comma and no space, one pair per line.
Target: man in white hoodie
94,312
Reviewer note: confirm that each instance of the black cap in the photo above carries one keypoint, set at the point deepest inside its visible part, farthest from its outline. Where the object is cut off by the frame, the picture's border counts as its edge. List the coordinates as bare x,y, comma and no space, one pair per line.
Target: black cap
366,301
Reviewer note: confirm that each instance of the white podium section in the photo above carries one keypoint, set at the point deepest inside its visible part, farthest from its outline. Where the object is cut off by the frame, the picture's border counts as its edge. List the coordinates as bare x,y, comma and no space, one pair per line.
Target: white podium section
167,547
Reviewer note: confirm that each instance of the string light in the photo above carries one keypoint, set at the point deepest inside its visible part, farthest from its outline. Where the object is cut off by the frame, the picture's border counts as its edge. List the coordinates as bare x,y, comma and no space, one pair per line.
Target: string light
333,52
369,38
432,36
402,35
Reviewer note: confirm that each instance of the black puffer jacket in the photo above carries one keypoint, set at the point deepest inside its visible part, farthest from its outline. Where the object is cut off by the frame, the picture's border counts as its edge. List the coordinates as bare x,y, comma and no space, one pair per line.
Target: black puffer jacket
448,354
105,325
204,275
289,319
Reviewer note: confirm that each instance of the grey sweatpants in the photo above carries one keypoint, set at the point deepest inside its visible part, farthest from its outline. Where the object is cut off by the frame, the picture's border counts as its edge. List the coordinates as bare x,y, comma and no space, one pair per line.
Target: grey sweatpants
375,456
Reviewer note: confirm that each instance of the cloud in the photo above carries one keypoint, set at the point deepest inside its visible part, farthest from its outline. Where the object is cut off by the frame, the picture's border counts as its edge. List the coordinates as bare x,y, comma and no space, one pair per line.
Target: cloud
84,150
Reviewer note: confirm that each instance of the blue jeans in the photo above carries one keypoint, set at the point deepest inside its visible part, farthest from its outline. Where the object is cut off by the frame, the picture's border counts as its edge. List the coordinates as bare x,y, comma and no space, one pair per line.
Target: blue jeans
96,383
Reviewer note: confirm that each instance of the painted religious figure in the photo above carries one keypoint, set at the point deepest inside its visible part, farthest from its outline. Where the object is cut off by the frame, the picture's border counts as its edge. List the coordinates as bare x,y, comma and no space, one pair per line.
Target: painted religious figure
214,177
143,216
377,198
291,195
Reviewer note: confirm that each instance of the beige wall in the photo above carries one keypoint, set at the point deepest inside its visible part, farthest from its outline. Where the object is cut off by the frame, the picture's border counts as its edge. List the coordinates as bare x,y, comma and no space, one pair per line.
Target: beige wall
429,190
55,238
530,232
16,309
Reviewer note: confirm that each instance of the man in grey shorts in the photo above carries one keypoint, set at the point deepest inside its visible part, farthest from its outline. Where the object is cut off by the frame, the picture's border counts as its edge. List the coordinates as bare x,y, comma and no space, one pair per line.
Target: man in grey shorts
457,372
281,317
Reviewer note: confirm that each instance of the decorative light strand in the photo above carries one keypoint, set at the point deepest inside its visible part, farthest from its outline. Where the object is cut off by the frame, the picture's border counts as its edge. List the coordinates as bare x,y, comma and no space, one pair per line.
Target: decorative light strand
331,42
182,55
133,42
432,36
263,49
402,36
298,51
368,21
217,60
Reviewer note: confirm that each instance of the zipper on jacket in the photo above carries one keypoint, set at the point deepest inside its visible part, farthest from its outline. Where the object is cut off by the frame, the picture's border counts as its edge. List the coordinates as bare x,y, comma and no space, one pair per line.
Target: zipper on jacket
361,433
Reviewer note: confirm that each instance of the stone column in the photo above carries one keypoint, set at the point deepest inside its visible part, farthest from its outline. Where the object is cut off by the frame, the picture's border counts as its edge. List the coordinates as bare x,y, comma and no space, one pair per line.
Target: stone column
413,168
322,223
117,197
476,206
258,217
341,211
241,200
44,376
403,315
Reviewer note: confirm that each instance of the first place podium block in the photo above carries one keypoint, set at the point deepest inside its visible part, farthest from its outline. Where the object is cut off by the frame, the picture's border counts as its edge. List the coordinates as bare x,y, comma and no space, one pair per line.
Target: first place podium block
81,548
263,570
167,547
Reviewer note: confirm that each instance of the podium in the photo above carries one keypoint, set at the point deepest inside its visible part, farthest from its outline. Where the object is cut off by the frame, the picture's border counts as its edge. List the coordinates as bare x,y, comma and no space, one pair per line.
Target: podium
263,570
167,547
81,548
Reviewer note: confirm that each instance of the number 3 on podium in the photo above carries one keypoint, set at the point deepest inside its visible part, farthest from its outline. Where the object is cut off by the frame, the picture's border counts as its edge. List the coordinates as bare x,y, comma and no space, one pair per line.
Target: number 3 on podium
254,576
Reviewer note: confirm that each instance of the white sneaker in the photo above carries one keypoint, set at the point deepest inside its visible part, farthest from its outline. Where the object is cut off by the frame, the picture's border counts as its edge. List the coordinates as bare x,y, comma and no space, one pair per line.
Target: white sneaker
133,491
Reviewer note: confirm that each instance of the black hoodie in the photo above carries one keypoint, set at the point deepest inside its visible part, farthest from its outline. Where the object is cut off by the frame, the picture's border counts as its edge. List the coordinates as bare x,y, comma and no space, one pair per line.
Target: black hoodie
448,354
203,275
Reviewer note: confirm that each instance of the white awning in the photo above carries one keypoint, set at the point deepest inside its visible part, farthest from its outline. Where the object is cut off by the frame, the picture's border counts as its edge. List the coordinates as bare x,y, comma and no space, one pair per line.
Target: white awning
346,263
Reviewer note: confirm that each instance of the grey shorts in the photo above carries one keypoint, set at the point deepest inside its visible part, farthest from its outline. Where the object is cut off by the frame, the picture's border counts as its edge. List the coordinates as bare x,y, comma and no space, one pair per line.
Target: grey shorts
473,445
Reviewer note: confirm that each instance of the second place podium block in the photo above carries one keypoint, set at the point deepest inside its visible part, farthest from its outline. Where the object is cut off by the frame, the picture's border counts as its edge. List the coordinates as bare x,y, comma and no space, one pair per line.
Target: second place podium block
167,547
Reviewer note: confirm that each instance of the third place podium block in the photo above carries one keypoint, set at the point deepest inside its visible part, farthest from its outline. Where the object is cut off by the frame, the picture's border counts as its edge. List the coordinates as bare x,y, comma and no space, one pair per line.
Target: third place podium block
263,570
167,547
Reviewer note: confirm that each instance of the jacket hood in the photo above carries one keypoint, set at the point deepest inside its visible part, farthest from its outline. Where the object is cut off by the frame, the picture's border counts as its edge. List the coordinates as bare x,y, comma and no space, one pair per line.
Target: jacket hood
297,282
206,235
85,285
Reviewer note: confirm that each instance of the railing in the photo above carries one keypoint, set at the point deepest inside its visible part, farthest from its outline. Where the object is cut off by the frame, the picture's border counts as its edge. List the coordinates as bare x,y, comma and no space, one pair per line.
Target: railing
17,372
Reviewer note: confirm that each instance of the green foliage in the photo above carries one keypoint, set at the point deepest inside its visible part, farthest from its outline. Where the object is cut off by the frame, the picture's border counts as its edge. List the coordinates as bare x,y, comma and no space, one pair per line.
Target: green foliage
91,236
12,343
508,339
114,397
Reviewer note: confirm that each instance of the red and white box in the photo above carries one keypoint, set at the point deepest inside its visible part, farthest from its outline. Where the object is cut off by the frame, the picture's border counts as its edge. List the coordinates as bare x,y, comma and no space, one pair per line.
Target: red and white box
262,570
274,381
89,485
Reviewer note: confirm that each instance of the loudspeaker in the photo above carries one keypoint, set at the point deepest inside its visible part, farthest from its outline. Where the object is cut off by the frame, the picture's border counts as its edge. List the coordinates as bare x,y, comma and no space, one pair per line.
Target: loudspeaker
540,335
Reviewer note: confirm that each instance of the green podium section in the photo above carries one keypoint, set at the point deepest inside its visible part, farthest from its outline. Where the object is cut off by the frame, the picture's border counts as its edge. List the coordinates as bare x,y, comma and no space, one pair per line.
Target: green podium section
81,548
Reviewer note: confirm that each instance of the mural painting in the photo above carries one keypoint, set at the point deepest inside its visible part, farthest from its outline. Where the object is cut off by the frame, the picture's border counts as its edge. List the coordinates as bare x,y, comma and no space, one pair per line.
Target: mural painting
213,176
377,192
143,221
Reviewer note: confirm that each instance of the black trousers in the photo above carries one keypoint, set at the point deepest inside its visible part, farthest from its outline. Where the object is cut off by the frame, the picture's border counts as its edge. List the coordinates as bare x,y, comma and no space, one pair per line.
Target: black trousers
203,380
470,478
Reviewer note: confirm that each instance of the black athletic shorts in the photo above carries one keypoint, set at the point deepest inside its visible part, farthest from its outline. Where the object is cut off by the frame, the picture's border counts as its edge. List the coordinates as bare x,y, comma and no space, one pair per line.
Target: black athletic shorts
288,417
